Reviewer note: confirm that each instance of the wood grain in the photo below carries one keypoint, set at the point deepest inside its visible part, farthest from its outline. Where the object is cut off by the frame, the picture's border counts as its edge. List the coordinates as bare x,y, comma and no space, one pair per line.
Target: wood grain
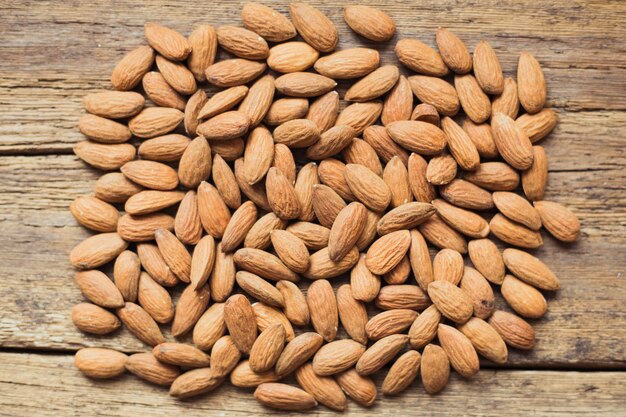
584,326
50,385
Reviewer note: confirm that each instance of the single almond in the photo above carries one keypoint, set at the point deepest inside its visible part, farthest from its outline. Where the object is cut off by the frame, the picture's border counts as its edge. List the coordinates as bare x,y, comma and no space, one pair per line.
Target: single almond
386,252
487,69
512,142
324,110
460,145
139,322
267,348
202,261
255,192
346,230
190,307
209,328
535,179
174,253
402,373
129,71
304,84
332,174
463,221
155,121
225,126
369,22
424,328
517,209
242,43
257,102
425,112
187,225
100,363
380,353
234,72
530,269
266,316
323,388
352,313
97,250
225,358
214,213
323,308
507,102
114,187
326,204
406,216
155,299
223,101
263,264
494,176
396,177
451,301
485,339
515,331
479,290
284,162
402,296
104,156
531,84
150,201
399,102
435,369
437,232
114,104
360,152
259,235
374,84
487,258
336,357
167,148
474,101
298,133
95,214
181,354
419,257
268,23
360,115
167,42
281,195
453,51
389,322
260,289
558,220
448,266
295,306
297,352
284,397
305,181
359,388
466,195
195,103
291,250
482,137
420,57
459,350
514,233
203,41
525,299
195,382
153,263
422,190
348,63
368,187
240,321
539,125
315,28
90,318
286,109
150,174
177,75
437,92
147,367
420,137
365,285
292,57
240,223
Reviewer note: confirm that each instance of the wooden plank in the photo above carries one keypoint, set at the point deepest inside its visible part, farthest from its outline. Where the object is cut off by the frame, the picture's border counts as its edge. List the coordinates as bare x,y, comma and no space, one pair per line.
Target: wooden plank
584,326
581,49
50,385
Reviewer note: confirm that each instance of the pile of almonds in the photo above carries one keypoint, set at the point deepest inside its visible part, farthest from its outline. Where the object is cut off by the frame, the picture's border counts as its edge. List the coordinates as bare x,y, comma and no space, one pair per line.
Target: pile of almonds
280,187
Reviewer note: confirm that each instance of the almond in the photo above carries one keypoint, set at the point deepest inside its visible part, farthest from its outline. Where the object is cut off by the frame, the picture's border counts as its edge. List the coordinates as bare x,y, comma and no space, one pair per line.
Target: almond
460,145
214,213
223,101
190,307
267,316
531,84
244,377
482,137
259,99
359,388
323,308
267,348
352,313
517,209
105,157
234,72
420,57
535,178
402,373
154,264
487,69
286,109
331,142
485,339
225,126
155,121
435,369
512,142
326,204
466,195
95,214
369,22
479,290
149,201
298,133
325,390
558,220
240,321
386,252
530,269
242,43
539,125
515,331
259,236
167,148
209,328
420,137
147,367
304,84
523,298
281,195
177,75
292,57
225,359
464,221
202,262
399,102
130,70
307,178
155,299
332,173
346,230
437,232
284,162
92,319
139,322
115,187
474,101
143,228
396,177
420,260
453,51
260,289
100,363
336,357
399,296
295,306
297,352
174,253
369,188
424,328
284,397
360,115
448,266
167,42
187,225
459,350
161,93
507,102
426,113
422,190
451,301
97,250
315,28
195,103
195,382
406,216
291,250
268,23
487,258
203,41
514,233
229,150
181,354
360,152
256,192
150,174
494,176
436,92
114,104
324,110
240,223
374,84
389,322
348,63
263,264
380,353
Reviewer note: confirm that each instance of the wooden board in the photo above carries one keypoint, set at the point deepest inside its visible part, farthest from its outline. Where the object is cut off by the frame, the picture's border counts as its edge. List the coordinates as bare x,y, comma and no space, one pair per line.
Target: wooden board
49,385
52,53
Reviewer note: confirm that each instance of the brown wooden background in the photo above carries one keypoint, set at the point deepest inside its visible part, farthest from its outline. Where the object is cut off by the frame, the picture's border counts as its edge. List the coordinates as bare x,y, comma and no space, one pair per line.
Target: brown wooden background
52,53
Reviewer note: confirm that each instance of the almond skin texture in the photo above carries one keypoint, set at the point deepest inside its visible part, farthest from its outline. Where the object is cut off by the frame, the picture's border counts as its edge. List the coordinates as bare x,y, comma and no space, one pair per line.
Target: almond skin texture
267,348
426,113
167,148
396,177
181,354
558,220
389,322
460,145
139,322
314,27
348,63
424,328
420,137
473,100
242,43
365,285
187,225
259,236
234,72
97,250
190,307
304,84
466,195
494,176
535,179
292,57
485,339
324,388
177,75
209,328
100,363
337,356
482,137
402,373
419,257
405,216
284,397
240,321
95,214
453,51
297,352
268,23
203,41
142,228
407,296
298,133
92,319
214,214
240,223
435,369
260,289
516,332
150,174
291,250
517,208
448,266
130,70
286,109
369,22
487,258
539,125
323,308
422,189
380,353
281,195
161,93
104,156
223,101
295,306
512,142
373,85
225,358
437,92
324,110
155,121
115,187
174,253
507,102
155,299
352,313
360,115
346,230
152,262
369,188
487,69
531,84
114,104
169,43
360,152
479,290
146,202
195,382
399,102
451,301
195,163
420,57
386,252
359,388
523,298
464,221
514,233
459,350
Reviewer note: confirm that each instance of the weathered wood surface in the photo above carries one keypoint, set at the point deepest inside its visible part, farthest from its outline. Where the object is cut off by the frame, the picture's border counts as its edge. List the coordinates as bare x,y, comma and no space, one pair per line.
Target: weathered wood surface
584,326
52,52
49,385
